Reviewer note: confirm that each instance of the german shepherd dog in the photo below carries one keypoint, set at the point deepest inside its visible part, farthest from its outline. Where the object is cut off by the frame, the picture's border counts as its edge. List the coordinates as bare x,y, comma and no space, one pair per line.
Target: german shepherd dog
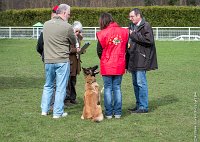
92,108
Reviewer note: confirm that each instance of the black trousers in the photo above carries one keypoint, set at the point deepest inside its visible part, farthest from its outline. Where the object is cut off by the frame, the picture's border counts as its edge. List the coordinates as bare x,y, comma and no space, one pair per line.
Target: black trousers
71,90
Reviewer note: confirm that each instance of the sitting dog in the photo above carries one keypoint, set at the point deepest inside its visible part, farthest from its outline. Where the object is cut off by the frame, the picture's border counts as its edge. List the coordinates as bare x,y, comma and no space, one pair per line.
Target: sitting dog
92,108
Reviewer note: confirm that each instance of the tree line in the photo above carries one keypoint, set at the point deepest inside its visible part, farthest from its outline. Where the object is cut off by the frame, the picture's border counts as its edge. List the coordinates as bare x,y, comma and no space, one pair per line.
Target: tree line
24,4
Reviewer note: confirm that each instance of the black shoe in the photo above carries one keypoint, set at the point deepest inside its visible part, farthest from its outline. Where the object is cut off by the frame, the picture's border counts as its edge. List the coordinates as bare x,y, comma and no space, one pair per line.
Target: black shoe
73,102
140,111
67,103
132,109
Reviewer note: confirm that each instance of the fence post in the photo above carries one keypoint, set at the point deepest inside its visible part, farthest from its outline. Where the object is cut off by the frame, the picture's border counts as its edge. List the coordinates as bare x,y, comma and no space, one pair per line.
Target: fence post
33,32
189,33
37,33
95,31
10,34
156,33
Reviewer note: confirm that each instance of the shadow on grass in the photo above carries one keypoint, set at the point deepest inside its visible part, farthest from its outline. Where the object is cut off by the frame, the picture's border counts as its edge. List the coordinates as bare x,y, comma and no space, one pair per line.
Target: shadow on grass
156,103
162,101
21,82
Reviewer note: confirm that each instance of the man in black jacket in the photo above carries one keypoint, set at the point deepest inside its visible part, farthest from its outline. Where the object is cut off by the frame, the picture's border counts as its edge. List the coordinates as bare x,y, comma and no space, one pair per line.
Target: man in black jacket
40,42
141,57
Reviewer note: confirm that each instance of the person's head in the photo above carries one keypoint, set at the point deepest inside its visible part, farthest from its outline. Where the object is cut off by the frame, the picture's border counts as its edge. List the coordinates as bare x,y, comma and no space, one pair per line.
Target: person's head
53,13
135,15
104,20
77,26
63,11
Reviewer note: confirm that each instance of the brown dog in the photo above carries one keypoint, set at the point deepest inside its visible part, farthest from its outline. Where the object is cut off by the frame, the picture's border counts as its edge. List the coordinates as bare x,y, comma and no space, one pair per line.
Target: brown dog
92,108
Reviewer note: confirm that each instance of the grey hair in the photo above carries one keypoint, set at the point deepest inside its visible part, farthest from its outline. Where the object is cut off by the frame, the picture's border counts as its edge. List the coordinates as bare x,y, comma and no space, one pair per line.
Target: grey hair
62,8
77,25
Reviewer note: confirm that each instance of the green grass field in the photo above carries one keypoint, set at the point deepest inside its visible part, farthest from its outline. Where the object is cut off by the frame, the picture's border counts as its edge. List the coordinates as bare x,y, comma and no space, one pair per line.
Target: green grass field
171,99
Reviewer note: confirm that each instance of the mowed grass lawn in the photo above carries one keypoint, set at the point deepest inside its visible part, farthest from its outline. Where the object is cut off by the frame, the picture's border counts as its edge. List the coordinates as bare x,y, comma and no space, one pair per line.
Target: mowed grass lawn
171,99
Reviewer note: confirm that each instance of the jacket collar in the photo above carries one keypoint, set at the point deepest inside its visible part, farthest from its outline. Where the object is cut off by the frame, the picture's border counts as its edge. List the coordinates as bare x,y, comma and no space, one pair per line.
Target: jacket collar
141,24
57,17
113,24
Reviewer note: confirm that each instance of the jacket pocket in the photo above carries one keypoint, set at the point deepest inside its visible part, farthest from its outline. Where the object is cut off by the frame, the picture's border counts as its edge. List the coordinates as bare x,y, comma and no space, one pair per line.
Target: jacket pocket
143,60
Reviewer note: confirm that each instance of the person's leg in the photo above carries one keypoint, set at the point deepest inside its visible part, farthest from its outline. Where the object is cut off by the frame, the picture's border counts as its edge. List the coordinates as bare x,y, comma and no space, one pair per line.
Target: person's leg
108,96
48,88
62,76
53,97
136,88
143,89
68,91
117,95
73,89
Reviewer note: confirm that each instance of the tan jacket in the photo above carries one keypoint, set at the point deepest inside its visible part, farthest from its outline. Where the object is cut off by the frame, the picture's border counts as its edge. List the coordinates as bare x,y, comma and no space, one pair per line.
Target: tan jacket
58,36
75,61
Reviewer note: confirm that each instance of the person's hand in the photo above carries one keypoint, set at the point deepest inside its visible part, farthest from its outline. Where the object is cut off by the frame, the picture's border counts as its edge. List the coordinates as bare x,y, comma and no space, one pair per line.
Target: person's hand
78,50
130,31
81,34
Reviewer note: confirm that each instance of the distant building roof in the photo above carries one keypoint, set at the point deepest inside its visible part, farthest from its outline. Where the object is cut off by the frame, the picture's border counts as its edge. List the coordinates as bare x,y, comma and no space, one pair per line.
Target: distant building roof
38,25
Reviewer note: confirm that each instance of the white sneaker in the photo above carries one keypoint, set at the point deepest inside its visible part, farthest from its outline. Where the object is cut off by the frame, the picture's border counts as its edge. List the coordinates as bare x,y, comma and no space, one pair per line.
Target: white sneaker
44,114
63,115
109,117
117,116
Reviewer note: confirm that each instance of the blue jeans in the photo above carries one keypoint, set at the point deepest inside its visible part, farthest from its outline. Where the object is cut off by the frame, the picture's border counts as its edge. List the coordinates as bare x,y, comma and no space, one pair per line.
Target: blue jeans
112,94
140,89
59,72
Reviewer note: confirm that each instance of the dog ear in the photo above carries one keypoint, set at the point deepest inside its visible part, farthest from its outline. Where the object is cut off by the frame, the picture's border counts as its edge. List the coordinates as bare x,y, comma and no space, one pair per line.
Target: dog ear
94,68
96,72
85,71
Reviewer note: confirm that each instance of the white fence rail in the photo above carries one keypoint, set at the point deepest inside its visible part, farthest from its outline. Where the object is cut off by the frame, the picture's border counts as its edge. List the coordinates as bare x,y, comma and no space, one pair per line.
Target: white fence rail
89,33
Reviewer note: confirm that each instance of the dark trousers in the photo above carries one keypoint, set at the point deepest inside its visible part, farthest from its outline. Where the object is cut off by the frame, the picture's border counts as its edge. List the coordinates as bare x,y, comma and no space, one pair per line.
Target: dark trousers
71,90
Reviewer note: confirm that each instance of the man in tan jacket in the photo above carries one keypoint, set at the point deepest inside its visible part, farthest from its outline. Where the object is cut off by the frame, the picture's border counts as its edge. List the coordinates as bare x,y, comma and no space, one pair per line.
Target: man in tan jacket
58,35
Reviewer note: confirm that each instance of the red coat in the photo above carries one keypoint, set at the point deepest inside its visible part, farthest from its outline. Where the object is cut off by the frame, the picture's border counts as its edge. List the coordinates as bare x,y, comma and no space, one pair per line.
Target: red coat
113,40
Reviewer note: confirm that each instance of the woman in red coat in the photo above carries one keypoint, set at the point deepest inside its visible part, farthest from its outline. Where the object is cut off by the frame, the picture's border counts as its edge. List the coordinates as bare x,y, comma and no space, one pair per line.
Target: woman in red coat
111,49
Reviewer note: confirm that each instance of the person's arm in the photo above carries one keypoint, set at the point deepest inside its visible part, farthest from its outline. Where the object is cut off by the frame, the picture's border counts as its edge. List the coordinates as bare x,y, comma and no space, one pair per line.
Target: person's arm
99,49
72,37
127,56
40,44
73,49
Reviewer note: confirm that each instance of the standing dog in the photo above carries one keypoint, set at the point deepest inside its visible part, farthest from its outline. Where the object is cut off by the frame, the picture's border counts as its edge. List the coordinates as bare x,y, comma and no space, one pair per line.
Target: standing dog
92,108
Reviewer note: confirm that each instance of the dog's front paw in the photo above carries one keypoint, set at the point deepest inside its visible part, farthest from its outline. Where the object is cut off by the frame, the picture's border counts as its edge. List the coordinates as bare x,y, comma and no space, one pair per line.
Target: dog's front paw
82,117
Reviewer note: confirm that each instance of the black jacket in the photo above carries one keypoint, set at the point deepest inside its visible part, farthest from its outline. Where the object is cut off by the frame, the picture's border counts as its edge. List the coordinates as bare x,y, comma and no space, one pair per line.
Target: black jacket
40,46
141,55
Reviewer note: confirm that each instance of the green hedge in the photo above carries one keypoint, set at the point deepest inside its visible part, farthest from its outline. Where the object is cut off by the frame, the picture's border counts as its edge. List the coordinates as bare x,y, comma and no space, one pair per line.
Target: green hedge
157,16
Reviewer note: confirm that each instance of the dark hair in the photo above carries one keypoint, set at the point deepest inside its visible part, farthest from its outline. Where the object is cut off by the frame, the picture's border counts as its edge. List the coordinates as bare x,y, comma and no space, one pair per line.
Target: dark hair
104,20
137,11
